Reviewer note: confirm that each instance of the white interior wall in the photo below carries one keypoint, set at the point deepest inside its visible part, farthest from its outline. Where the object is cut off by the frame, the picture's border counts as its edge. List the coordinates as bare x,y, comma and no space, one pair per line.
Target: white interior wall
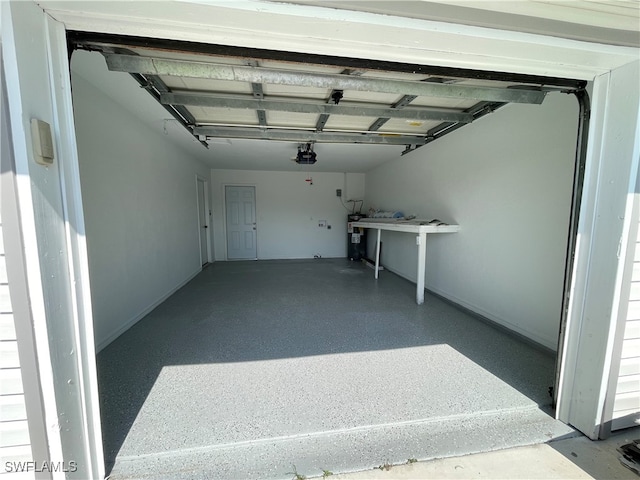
506,180
139,196
288,210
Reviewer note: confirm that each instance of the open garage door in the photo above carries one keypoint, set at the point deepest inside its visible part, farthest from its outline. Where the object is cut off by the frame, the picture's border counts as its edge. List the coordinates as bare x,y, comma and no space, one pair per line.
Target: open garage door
222,94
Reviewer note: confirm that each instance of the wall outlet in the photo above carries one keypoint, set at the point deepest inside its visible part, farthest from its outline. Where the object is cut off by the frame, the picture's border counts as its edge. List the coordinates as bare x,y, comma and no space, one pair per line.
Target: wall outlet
322,223
338,192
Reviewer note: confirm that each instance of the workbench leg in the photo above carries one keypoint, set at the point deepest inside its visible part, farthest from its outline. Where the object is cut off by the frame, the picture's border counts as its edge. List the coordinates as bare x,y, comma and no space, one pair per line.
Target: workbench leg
421,240
377,254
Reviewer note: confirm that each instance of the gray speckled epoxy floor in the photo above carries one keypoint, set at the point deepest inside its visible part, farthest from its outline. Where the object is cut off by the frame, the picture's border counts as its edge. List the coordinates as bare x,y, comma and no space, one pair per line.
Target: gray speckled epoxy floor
257,366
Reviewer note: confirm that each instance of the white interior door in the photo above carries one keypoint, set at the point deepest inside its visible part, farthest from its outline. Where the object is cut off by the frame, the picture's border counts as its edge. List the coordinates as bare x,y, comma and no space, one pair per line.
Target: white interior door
241,222
202,221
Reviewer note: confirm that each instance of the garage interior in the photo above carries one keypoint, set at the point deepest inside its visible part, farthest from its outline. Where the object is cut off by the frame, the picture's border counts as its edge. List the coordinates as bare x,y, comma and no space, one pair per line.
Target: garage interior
294,362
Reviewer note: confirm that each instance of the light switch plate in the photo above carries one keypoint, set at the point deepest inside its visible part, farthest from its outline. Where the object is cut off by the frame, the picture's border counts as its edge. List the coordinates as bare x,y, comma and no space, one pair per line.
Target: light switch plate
42,142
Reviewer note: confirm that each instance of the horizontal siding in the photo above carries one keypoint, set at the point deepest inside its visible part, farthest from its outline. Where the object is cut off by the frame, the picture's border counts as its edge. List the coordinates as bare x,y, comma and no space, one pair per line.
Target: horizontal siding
631,348
20,453
633,310
626,406
632,329
14,434
9,354
635,274
5,299
10,381
626,401
628,384
14,428
629,366
7,328
3,276
17,476
12,408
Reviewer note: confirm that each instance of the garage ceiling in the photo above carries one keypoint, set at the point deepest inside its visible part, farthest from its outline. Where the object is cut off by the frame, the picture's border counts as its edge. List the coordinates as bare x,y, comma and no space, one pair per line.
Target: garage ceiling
224,94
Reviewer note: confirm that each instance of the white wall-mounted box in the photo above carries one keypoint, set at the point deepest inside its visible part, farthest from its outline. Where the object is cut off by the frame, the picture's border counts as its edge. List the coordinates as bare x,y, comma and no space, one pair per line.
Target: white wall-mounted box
42,142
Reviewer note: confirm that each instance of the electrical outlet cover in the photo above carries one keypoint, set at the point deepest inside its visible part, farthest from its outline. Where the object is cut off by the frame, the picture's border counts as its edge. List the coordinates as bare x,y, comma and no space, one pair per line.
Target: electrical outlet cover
42,142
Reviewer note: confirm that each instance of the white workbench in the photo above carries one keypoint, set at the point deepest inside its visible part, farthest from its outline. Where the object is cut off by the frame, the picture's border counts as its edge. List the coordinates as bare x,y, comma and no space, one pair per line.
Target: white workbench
409,226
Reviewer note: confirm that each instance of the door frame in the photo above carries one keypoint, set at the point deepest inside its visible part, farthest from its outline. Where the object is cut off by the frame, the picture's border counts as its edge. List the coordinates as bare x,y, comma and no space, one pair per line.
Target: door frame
207,215
604,224
224,216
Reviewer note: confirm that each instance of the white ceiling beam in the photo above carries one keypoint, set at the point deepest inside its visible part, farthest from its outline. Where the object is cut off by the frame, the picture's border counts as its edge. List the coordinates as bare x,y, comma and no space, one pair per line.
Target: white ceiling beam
403,102
180,68
235,102
304,136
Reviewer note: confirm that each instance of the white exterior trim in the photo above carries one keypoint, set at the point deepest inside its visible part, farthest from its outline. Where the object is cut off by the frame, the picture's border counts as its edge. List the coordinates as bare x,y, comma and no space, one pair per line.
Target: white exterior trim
606,214
78,259
29,241
327,31
19,295
65,351
259,24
